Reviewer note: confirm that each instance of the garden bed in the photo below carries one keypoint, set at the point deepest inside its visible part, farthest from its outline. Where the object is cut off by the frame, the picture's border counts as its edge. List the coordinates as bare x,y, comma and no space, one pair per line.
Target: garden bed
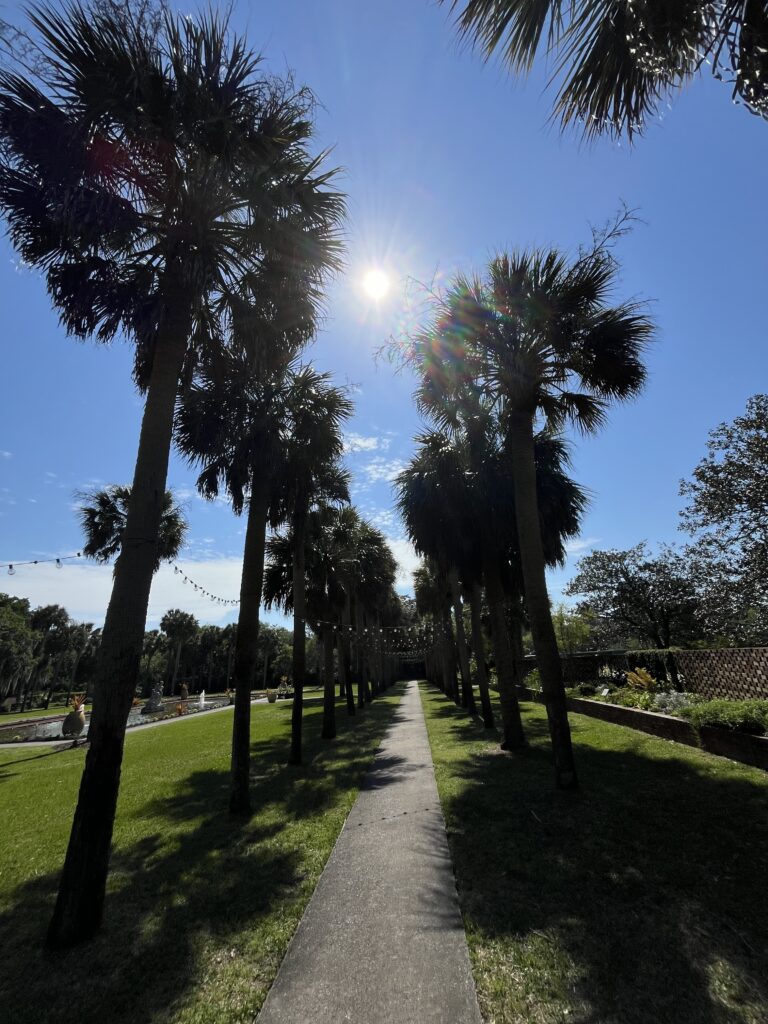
738,746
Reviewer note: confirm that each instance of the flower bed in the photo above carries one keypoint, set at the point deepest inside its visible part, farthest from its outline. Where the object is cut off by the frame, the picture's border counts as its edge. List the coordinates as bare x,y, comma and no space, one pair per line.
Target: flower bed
745,747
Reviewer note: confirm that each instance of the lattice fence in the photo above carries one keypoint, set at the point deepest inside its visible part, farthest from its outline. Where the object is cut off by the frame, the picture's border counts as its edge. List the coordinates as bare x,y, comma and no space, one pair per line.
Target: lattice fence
735,672
729,672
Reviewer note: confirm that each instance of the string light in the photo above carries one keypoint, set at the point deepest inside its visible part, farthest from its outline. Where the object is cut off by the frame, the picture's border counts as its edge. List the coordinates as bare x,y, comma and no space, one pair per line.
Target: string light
59,562
201,590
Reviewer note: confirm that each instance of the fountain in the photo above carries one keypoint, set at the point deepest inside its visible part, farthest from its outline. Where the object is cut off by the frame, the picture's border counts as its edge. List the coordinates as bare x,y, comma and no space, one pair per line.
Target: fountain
201,701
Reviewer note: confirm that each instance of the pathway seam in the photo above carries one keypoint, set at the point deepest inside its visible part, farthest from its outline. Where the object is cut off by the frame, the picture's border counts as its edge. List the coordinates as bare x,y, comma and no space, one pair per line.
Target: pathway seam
382,940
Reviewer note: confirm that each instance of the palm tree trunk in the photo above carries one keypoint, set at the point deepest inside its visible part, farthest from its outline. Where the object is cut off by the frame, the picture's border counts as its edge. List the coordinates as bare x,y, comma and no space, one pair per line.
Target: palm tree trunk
80,902
71,686
449,653
176,666
537,598
467,693
299,638
246,647
329,686
345,664
230,658
479,647
512,735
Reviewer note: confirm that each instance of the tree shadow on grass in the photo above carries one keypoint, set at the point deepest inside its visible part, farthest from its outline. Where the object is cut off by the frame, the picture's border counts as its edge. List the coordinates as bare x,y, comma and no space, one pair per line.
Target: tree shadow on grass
642,898
185,880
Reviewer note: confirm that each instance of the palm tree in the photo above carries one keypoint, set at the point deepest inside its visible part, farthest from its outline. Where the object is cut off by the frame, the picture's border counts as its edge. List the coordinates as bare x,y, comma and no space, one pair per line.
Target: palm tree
152,182
324,565
104,513
376,572
439,508
180,627
309,474
234,423
541,340
433,515
617,60
80,634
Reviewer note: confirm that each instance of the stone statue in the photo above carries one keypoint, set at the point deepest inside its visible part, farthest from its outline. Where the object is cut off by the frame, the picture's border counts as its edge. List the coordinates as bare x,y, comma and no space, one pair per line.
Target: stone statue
155,702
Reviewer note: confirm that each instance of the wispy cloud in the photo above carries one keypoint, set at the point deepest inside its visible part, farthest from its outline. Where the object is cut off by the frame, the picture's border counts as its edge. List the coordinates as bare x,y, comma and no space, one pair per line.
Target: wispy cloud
5,455
380,469
575,547
365,443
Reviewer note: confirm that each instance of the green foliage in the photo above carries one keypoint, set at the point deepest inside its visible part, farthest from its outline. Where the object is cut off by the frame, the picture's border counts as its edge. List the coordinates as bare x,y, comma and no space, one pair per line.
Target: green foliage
641,679
615,64
573,629
727,512
103,515
655,598
741,715
533,680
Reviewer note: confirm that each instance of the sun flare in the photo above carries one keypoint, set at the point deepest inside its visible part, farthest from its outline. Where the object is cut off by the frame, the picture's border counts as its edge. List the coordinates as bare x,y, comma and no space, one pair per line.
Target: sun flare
376,284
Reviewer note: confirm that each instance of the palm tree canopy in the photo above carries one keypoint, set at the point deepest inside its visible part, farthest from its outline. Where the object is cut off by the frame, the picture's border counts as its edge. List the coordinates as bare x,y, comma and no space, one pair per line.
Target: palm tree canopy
455,507
344,555
103,514
536,335
616,60
151,170
309,467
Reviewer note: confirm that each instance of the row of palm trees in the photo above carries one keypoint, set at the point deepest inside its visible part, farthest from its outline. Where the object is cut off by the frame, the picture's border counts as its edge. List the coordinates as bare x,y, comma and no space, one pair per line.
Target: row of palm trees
505,362
42,652
165,187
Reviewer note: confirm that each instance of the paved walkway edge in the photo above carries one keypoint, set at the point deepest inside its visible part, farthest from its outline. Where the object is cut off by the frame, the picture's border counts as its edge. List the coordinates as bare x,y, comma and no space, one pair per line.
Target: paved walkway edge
382,940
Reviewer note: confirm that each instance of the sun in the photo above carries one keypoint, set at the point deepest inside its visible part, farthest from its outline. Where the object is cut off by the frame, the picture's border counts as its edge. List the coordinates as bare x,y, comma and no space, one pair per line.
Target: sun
376,284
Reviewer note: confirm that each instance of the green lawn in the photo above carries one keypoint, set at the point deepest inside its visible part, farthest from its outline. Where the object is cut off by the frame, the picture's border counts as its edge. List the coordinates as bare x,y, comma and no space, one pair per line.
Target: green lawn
641,900
200,908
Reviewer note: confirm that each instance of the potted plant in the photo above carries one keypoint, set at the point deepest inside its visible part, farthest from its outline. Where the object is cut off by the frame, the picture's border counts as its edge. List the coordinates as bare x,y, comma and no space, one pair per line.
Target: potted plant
74,723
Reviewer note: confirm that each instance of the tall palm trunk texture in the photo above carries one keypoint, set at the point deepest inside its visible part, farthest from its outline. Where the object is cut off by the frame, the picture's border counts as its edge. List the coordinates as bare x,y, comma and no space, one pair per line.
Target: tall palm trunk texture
467,693
329,686
513,737
345,655
299,641
80,901
479,647
246,649
449,653
537,599
176,661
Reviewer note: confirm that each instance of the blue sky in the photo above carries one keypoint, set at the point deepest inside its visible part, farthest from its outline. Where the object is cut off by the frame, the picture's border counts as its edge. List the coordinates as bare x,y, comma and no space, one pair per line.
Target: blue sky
445,159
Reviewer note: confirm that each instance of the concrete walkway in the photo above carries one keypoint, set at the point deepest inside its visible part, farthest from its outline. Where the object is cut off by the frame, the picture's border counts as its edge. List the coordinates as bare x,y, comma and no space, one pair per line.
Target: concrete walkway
382,941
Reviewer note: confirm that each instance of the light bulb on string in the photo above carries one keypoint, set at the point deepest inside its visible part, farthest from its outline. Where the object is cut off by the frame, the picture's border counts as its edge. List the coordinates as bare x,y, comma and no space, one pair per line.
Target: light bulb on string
11,571
58,563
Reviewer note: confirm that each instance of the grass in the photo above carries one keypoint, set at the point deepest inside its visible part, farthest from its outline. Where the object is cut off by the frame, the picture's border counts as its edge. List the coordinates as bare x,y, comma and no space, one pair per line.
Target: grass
200,907
642,898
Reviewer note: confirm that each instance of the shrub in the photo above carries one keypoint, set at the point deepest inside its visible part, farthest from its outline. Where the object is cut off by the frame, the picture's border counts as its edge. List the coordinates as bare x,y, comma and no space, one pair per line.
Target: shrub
626,697
533,679
742,715
641,679
586,689
673,703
